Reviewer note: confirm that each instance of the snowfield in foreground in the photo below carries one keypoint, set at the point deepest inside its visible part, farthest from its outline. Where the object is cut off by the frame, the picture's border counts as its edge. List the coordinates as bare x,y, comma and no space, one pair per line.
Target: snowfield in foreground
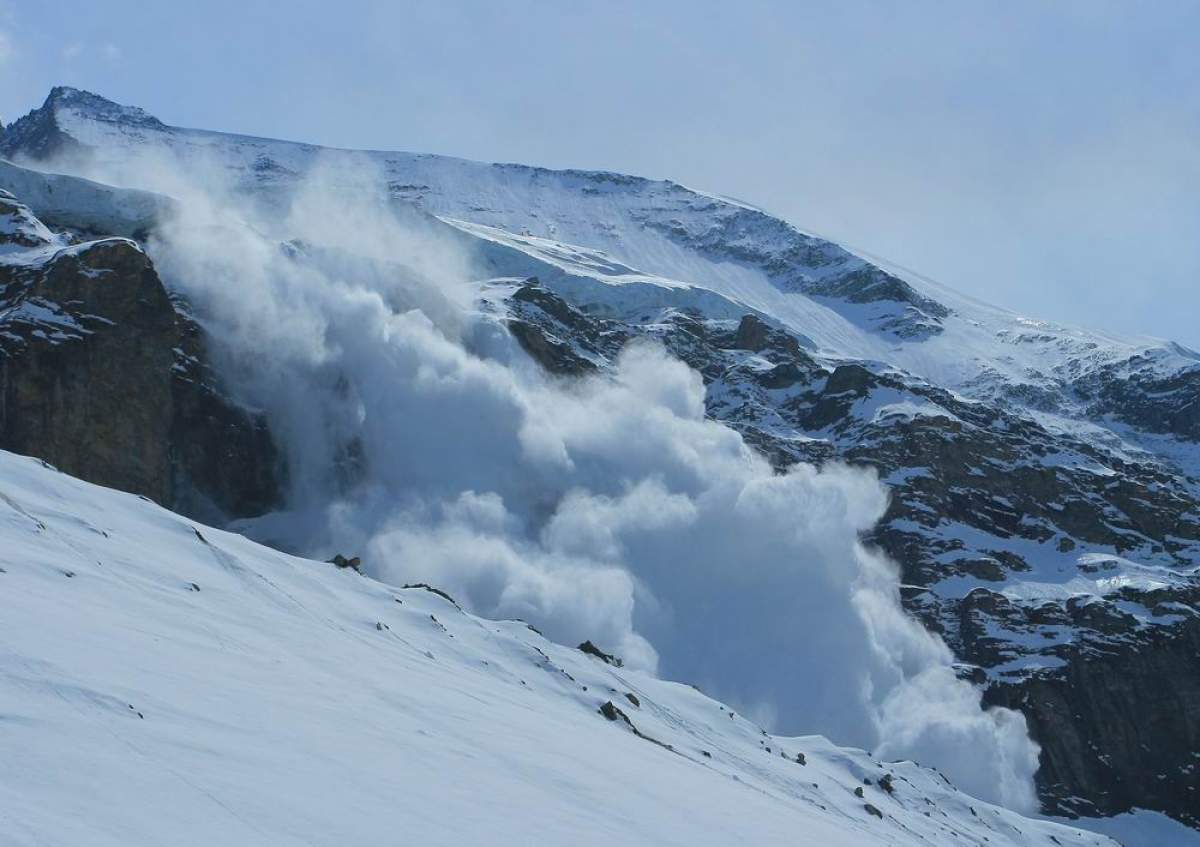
162,682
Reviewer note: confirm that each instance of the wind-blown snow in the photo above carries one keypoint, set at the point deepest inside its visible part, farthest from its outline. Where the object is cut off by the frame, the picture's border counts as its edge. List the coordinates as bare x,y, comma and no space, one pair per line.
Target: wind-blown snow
419,435
163,682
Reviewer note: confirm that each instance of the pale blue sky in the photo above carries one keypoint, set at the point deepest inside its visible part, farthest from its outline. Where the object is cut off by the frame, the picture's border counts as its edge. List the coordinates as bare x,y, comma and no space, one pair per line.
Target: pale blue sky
1041,155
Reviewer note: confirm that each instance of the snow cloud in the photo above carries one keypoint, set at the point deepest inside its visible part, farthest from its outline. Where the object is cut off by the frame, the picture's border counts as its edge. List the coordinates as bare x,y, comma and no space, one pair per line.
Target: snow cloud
610,509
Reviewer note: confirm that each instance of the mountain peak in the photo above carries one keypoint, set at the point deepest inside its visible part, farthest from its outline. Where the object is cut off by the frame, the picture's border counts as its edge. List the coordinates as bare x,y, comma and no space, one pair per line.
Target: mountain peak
44,132
60,92
99,108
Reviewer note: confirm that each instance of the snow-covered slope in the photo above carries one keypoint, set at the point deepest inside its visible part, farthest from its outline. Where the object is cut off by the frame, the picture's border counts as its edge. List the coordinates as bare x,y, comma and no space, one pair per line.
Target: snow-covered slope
83,204
163,682
687,239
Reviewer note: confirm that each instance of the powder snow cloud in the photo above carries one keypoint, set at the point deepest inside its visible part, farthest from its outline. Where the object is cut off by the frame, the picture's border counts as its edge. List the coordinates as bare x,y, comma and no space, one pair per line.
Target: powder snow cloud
419,435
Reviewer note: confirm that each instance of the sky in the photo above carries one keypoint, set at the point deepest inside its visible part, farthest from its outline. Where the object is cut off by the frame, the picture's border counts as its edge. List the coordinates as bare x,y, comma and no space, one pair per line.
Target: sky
1040,156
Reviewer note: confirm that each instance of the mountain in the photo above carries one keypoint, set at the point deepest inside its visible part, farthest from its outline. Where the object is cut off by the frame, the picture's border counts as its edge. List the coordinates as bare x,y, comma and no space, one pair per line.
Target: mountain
170,683
1045,508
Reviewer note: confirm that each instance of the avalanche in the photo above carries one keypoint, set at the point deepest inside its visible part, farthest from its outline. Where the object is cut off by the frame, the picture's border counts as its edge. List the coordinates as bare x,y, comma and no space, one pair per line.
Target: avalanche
1023,458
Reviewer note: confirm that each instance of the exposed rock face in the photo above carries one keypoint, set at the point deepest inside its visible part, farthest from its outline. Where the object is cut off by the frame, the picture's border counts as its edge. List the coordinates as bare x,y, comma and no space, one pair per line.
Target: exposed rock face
554,340
982,496
1105,748
101,376
803,263
85,366
224,461
1133,392
36,135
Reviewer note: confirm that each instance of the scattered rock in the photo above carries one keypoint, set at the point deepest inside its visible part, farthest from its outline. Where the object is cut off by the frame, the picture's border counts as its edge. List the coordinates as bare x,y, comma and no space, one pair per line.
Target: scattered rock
608,658
751,334
871,810
427,587
632,698
342,562
613,713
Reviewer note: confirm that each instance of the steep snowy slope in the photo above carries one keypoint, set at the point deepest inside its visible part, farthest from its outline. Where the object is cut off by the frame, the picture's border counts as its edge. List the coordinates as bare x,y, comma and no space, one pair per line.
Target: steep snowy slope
163,682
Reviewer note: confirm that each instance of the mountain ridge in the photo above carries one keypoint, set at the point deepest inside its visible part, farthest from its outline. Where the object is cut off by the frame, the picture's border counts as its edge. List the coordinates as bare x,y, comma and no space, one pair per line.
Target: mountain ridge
1046,500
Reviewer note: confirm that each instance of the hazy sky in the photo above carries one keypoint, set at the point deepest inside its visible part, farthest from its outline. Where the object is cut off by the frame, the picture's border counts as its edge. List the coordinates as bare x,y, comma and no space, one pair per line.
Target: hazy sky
1040,155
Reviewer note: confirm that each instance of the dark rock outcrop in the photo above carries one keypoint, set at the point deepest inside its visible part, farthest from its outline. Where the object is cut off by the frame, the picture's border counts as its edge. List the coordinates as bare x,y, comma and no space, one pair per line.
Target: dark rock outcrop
85,366
557,336
36,135
101,375
1103,749
592,650
224,461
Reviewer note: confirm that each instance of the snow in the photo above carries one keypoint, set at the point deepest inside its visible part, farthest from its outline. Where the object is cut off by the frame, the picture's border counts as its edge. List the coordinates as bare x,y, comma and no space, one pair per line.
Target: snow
83,204
1119,574
1146,829
163,682
20,231
41,313
647,228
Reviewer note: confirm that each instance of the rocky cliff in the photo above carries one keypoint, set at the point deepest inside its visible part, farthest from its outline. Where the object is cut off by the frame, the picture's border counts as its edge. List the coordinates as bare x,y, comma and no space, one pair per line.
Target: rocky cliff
104,376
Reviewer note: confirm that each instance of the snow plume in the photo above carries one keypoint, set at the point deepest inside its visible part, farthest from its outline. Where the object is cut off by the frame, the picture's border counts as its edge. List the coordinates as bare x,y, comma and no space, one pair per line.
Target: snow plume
609,508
